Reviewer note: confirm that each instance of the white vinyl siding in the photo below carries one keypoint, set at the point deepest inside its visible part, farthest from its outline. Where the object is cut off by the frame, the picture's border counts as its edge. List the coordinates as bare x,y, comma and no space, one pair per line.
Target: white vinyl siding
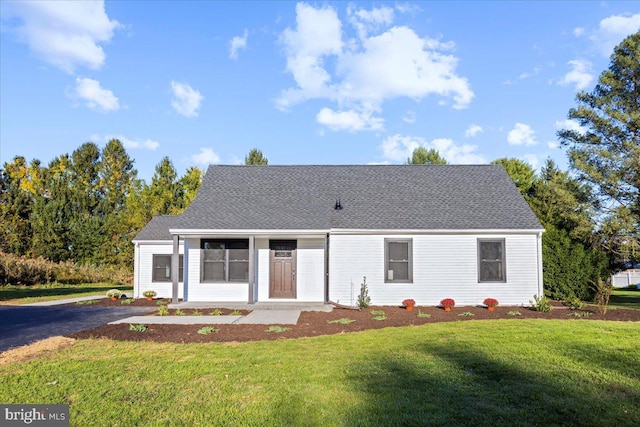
444,266
144,270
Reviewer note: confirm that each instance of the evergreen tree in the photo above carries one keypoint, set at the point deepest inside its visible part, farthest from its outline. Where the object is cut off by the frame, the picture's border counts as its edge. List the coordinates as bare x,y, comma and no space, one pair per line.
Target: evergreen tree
255,158
520,172
605,152
422,156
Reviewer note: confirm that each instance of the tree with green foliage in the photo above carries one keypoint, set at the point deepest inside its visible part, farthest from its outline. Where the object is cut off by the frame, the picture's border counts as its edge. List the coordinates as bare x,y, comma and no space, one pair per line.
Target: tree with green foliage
422,156
255,158
189,185
571,259
19,184
520,172
605,151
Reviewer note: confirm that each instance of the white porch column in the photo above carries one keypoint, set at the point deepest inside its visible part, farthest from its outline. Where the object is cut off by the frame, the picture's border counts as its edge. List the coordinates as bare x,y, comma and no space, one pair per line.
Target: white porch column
252,269
175,267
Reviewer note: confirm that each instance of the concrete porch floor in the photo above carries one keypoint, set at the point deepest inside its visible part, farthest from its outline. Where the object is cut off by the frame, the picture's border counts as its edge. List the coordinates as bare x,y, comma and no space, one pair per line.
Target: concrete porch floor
294,306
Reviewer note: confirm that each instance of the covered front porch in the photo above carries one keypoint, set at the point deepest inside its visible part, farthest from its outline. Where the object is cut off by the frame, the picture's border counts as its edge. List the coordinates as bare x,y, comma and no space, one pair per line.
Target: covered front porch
251,268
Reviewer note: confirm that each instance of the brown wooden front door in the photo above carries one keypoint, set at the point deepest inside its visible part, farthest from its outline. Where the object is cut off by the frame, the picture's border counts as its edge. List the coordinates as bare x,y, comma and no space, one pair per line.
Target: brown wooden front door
282,283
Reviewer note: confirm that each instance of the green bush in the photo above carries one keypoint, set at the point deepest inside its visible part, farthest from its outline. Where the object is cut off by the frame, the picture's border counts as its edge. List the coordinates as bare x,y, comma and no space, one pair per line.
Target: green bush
16,270
541,304
573,303
364,300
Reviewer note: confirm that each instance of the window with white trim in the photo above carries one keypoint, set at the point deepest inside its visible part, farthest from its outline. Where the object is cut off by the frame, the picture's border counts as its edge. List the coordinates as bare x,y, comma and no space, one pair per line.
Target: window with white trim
491,260
225,260
162,268
398,260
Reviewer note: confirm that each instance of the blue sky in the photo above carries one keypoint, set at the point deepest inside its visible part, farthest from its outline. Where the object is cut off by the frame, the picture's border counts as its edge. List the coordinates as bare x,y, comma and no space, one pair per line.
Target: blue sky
307,83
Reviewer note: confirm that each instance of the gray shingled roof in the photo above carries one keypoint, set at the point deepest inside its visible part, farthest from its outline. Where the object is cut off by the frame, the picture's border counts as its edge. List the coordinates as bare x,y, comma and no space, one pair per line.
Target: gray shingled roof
399,197
157,228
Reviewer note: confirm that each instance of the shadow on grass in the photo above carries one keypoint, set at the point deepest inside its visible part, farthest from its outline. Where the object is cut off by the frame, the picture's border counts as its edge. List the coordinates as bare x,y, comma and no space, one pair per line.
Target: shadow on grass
15,292
628,298
459,386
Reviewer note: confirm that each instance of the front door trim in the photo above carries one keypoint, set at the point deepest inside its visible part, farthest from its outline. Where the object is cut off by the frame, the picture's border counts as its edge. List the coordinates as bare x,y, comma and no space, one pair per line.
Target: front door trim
282,269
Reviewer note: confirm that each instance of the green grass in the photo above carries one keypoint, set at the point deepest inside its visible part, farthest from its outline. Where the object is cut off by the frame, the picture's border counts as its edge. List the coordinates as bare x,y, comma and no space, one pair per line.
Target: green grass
18,294
497,373
625,298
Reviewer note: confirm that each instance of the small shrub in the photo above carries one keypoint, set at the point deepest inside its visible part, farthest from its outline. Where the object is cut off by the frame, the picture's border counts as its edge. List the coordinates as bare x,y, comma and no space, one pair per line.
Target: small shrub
127,301
163,310
364,300
162,302
236,313
150,294
633,286
379,315
541,304
448,302
196,313
114,293
573,303
514,313
216,312
466,314
138,328
278,329
580,314
603,291
207,330
180,312
342,321
423,315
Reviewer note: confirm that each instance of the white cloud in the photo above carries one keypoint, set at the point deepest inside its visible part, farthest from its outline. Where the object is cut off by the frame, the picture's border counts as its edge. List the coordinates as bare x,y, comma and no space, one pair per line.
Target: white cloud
580,74
94,96
387,64
532,159
578,31
350,120
206,156
527,74
186,100
410,117
132,144
66,34
398,148
553,145
473,130
365,21
238,43
570,125
521,134
612,30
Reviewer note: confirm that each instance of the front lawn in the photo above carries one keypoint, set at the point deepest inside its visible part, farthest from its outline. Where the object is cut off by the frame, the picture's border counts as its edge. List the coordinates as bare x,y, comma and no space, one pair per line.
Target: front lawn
20,294
497,372
625,297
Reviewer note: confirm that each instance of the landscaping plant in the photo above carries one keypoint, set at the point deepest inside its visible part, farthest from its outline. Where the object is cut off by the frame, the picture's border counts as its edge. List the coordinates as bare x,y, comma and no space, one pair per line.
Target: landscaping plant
149,294
364,300
278,329
207,330
491,303
423,315
447,304
342,321
379,315
603,291
541,304
138,328
163,310
114,293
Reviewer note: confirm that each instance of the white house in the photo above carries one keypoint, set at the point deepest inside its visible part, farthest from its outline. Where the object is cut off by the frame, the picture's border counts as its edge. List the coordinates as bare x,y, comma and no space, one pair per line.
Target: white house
311,233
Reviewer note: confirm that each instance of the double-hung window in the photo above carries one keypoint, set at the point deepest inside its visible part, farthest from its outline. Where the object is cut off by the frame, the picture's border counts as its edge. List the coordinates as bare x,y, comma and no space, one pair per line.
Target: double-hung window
398,260
225,260
162,268
491,260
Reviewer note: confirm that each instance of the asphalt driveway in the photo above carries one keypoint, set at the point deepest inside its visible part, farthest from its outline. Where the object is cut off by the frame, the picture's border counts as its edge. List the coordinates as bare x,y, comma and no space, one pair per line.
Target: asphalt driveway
20,325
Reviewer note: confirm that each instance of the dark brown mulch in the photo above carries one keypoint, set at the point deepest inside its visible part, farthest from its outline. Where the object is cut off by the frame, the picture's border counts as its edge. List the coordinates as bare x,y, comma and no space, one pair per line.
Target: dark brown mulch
316,323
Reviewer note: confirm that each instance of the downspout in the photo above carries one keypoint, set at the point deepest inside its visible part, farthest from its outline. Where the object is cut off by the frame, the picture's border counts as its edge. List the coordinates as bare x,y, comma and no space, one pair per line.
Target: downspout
540,272
252,269
175,266
326,269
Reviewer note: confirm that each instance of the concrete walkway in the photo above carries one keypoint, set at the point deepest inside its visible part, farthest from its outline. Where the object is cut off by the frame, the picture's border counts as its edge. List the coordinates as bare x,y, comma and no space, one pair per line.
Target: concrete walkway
62,301
258,317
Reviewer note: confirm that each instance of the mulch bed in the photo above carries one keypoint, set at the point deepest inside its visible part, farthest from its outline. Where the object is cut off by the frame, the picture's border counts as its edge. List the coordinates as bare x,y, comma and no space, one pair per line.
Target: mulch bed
316,323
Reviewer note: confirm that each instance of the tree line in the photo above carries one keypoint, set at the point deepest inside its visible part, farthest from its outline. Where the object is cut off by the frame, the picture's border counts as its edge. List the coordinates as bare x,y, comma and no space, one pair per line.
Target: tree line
89,205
